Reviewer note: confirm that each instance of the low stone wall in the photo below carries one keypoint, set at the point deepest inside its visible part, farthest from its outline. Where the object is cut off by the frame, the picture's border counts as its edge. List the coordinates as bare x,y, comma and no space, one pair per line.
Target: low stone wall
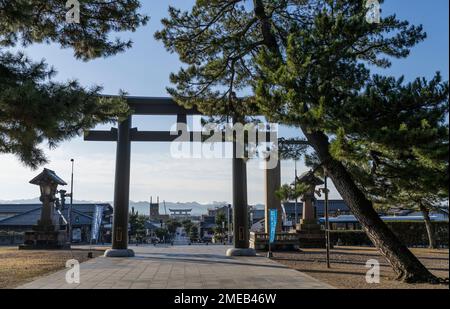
283,241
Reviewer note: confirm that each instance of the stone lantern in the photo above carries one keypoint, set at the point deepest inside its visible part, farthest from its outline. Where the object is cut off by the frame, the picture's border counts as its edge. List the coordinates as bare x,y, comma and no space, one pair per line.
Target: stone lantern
46,233
311,181
311,235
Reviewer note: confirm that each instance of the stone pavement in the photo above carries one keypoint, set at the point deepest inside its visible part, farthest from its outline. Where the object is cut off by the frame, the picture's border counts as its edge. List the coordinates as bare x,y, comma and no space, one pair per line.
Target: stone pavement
181,267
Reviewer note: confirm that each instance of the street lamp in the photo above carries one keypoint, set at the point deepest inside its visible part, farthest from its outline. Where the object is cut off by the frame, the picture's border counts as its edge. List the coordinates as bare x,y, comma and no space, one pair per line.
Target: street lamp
229,224
223,233
326,191
296,198
69,212
327,221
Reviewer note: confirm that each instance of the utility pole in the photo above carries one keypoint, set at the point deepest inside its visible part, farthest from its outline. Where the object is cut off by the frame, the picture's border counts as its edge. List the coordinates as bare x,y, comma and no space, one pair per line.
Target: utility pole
296,198
229,224
69,214
327,222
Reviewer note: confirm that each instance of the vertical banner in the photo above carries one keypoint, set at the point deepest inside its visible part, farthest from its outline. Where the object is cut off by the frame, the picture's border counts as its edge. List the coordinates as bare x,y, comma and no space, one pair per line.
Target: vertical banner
273,224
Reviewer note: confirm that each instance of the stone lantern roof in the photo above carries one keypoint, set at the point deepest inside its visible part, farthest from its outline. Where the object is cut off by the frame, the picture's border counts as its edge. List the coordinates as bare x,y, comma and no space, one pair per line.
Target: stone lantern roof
310,179
47,176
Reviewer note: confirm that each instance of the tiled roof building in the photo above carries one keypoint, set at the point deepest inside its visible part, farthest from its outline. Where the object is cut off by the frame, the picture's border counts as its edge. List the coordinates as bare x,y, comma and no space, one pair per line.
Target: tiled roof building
22,217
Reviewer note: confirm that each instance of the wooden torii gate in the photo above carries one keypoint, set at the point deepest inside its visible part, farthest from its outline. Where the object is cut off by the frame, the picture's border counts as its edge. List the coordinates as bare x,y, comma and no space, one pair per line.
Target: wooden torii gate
124,135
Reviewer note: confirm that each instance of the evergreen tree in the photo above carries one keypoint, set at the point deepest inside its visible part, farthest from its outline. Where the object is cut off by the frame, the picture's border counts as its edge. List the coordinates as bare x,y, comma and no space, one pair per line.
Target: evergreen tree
290,192
219,229
187,225
323,83
162,234
193,235
172,226
137,225
308,63
33,108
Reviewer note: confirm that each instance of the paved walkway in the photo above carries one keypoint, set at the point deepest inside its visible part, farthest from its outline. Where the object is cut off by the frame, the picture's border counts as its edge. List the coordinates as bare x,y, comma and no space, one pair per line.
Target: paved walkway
181,267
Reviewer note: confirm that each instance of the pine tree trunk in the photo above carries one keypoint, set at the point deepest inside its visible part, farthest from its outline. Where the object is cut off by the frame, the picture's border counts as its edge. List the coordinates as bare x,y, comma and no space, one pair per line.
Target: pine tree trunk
405,264
429,227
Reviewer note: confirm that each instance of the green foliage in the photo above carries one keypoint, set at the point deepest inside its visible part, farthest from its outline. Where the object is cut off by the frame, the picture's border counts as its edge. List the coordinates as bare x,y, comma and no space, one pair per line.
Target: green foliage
308,63
401,157
187,225
31,21
193,235
220,228
214,40
392,136
292,192
34,109
137,225
162,233
221,218
315,74
292,149
172,226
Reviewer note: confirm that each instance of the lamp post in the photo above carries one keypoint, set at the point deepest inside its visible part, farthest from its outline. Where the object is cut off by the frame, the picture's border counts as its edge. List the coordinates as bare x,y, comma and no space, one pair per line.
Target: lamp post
69,215
327,221
223,232
229,223
296,198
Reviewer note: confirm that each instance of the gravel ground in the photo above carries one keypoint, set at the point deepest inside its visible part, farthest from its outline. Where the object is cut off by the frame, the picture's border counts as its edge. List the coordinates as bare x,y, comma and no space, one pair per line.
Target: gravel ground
18,267
348,267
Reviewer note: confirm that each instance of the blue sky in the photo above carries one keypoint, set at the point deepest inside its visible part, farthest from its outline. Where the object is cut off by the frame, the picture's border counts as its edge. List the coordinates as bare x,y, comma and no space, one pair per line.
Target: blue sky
144,71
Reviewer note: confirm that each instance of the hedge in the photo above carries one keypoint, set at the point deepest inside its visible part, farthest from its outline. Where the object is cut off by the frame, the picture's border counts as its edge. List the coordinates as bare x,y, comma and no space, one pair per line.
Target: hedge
412,234
10,238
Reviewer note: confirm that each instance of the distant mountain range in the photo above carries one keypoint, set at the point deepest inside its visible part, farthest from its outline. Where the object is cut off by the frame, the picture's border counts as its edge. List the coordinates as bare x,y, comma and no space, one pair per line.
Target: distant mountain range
197,208
143,207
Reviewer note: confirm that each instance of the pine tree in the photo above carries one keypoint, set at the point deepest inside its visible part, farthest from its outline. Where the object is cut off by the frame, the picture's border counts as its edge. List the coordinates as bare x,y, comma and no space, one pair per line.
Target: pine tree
399,158
33,108
193,235
308,63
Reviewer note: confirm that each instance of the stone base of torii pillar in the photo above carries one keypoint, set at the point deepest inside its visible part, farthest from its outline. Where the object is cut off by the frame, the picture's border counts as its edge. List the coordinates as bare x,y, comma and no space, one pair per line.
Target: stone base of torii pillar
241,252
119,253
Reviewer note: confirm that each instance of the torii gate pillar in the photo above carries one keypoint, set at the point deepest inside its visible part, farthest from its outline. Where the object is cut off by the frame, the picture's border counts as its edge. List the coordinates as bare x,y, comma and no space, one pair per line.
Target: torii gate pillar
272,184
122,192
240,209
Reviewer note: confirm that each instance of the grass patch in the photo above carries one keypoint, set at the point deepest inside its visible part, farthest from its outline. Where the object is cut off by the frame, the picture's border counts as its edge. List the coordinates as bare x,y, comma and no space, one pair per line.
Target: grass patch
18,267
